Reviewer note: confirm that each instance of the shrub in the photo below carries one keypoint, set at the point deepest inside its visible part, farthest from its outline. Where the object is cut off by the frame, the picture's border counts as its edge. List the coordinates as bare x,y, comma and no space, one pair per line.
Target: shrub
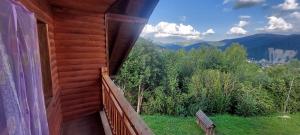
210,91
156,103
252,101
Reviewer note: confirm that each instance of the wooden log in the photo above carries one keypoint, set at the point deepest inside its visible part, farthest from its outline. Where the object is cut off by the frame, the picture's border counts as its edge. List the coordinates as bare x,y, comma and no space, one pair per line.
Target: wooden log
79,55
78,73
81,37
77,84
79,30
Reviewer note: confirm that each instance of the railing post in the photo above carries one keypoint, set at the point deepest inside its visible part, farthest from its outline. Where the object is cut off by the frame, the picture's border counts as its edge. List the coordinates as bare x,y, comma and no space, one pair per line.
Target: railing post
122,118
103,71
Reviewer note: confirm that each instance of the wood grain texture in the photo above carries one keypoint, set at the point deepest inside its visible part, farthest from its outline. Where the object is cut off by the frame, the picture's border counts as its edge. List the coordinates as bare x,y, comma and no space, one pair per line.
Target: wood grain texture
88,125
122,117
78,48
99,6
80,53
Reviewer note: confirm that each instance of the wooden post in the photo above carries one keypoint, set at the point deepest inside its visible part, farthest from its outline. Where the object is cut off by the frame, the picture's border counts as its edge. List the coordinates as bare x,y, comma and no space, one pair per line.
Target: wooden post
103,71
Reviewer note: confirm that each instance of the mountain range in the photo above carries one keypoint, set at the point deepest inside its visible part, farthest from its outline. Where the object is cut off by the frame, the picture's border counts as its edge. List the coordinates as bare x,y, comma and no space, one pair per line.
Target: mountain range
271,47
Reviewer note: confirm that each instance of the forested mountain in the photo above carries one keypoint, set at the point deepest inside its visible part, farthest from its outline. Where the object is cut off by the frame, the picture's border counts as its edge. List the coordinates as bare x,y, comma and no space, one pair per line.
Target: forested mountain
260,46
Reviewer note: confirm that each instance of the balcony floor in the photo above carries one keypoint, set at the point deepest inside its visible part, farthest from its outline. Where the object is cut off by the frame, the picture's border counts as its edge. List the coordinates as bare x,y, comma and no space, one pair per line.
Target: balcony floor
88,125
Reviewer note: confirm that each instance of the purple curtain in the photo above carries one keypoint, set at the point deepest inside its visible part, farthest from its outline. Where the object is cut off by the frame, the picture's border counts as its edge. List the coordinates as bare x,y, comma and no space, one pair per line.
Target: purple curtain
22,110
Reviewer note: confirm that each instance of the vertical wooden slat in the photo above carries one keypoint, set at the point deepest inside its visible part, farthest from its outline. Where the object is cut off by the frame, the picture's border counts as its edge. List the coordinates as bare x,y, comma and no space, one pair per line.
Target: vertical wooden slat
122,118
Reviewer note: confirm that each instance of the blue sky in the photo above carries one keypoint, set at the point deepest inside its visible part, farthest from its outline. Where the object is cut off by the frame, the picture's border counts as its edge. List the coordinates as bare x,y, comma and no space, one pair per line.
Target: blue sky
211,20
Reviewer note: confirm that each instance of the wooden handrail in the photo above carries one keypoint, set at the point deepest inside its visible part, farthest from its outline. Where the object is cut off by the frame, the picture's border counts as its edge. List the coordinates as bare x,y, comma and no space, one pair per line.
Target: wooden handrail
122,117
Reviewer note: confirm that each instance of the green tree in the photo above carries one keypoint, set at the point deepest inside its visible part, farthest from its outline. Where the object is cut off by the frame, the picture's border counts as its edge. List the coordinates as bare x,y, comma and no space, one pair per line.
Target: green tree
140,72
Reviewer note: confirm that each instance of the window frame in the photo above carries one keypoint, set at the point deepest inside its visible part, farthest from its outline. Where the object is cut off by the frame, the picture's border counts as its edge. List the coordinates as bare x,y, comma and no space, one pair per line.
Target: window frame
44,51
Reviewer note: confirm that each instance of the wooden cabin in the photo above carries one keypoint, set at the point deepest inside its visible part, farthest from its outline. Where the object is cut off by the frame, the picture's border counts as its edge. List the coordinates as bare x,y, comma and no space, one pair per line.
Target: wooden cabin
83,43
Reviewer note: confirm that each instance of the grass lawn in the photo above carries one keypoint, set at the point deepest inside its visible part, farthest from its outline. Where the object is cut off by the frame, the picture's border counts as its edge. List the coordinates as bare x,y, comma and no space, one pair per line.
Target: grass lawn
226,125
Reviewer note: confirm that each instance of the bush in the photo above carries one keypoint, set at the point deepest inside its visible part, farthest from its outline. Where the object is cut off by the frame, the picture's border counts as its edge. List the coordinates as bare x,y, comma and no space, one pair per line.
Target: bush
210,91
216,81
251,101
156,103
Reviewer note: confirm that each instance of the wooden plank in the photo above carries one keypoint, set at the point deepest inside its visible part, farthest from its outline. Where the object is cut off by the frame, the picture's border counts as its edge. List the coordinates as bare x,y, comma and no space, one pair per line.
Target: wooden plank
125,18
79,67
79,90
135,121
81,61
83,5
79,44
82,105
80,111
78,84
81,55
77,13
78,73
79,78
78,116
105,123
62,22
86,125
80,95
79,30
81,37
99,19
69,49
74,102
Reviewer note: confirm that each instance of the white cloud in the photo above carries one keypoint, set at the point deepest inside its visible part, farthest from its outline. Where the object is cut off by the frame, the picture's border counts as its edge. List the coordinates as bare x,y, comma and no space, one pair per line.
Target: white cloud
239,29
245,17
289,5
171,32
242,24
148,29
168,32
295,15
278,23
209,32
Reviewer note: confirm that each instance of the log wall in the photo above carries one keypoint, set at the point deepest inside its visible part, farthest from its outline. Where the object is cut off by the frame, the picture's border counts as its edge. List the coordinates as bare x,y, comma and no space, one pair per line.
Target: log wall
77,51
81,52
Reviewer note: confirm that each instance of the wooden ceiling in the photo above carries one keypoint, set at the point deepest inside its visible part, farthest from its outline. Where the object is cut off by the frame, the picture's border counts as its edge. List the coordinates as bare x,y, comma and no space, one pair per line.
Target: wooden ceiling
84,5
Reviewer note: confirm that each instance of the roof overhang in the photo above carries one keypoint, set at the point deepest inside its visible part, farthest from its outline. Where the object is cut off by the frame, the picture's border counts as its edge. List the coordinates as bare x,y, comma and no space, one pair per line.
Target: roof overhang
124,22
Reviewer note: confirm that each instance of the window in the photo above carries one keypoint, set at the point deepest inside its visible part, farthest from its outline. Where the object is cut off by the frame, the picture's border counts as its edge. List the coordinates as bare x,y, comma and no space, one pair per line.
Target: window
45,61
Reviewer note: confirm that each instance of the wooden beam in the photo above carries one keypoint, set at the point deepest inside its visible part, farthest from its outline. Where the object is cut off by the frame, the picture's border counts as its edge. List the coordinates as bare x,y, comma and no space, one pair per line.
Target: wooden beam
84,5
125,18
105,123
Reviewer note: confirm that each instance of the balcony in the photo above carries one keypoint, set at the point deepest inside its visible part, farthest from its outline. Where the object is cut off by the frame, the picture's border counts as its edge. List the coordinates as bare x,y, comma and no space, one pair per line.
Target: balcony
117,117
122,118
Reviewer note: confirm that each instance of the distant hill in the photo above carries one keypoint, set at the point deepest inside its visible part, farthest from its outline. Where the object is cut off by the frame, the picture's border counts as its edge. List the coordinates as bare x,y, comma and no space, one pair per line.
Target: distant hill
260,46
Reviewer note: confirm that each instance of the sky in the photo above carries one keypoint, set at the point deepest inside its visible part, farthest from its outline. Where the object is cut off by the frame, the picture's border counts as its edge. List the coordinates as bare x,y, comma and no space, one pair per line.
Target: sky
214,20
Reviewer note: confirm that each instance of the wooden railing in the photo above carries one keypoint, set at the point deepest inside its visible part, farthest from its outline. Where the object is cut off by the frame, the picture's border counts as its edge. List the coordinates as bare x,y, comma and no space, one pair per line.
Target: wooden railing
122,118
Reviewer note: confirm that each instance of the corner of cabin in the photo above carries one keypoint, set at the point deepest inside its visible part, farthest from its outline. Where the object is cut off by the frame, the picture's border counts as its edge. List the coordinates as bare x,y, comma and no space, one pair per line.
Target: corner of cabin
80,38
